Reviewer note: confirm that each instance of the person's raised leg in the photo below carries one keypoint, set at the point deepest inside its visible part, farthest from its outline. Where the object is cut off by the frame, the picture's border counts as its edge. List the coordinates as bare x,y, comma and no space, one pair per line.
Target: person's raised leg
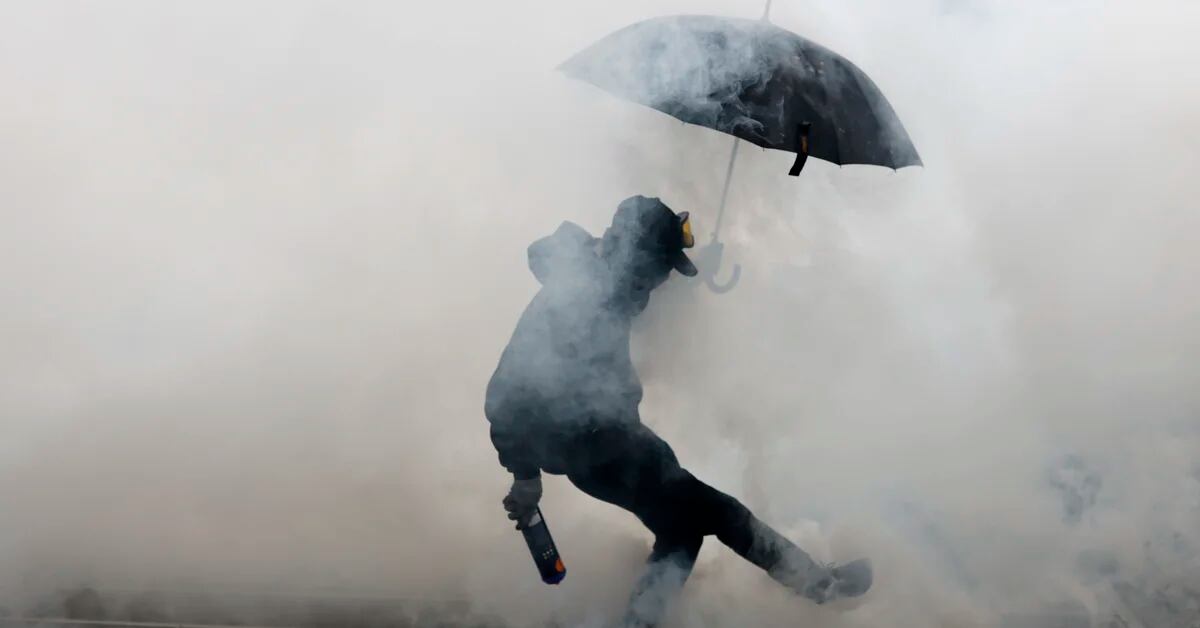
712,512
644,477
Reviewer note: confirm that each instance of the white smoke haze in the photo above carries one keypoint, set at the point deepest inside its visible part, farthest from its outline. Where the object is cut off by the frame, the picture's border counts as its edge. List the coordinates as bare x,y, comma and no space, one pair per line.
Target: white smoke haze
259,259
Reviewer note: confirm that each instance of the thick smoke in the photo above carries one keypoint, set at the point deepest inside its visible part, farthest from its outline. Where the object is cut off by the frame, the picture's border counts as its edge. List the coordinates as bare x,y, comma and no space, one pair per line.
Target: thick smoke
258,262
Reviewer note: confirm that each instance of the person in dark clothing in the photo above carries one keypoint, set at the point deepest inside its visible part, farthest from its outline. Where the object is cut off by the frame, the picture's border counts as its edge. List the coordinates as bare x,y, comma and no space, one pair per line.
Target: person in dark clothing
564,400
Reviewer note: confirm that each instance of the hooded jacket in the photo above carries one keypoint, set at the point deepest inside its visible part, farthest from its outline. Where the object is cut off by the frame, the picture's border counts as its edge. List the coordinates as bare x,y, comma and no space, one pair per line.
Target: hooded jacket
567,367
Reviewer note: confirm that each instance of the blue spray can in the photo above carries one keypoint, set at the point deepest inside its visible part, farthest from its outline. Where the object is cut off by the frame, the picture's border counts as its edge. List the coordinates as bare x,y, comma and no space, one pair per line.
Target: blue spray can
542,548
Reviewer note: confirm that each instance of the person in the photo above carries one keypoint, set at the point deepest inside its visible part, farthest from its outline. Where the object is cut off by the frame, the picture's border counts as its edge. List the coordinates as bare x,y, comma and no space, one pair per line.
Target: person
564,399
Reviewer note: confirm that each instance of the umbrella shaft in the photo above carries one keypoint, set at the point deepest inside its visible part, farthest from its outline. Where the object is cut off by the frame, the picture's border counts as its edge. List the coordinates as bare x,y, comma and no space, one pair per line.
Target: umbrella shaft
725,191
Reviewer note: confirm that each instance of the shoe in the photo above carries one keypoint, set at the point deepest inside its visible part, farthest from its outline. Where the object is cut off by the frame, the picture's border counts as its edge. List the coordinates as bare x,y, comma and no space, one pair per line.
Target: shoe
850,580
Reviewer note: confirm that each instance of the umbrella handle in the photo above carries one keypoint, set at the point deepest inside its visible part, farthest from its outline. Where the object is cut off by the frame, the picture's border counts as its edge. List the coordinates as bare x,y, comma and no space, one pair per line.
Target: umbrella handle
709,261
711,280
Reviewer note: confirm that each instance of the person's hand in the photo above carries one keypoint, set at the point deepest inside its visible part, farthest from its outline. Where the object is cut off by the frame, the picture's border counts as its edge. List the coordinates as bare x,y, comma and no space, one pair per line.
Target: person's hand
522,498
708,258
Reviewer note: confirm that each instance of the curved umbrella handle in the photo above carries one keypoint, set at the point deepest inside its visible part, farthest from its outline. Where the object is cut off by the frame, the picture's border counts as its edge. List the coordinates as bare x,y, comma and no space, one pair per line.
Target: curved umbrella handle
709,259
711,280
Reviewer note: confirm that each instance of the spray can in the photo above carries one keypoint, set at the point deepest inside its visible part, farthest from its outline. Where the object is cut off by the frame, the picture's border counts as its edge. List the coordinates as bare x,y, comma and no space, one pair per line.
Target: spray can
542,548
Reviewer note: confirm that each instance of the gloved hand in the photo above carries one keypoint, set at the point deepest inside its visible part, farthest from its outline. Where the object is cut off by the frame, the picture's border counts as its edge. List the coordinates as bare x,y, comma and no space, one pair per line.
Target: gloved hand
522,498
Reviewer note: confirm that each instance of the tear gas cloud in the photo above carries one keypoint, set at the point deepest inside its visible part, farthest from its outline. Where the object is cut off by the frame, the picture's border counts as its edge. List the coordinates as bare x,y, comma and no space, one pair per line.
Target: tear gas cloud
258,263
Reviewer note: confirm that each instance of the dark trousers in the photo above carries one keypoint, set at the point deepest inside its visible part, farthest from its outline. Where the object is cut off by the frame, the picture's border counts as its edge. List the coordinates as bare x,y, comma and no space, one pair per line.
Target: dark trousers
631,467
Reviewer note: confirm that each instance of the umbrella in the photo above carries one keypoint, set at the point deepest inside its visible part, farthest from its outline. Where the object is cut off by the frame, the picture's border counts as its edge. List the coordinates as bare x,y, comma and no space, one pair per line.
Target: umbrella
754,81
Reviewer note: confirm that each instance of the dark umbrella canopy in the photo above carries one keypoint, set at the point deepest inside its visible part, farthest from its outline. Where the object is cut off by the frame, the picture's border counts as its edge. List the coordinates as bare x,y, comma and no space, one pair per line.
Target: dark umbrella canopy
753,80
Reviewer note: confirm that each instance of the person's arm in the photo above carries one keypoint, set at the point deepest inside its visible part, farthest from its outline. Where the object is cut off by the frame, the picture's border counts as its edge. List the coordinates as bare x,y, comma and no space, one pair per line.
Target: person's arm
526,490
514,453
